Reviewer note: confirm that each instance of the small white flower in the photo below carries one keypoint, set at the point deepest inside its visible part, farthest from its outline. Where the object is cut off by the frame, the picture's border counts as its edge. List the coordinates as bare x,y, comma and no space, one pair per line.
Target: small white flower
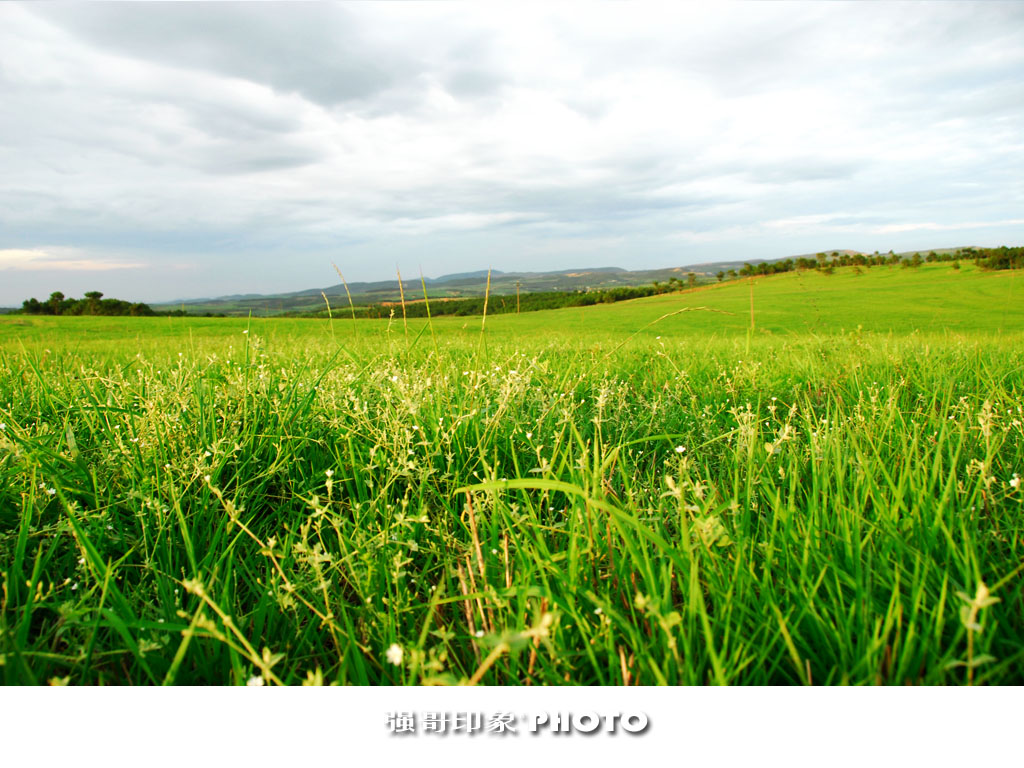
2,426
394,654
207,454
479,633
243,333
395,377
256,681
1015,482
680,449
329,473
51,491
529,435
74,586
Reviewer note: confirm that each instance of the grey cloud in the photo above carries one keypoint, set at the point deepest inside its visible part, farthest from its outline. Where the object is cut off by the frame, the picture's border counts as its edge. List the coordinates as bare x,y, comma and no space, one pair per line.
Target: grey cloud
801,169
219,160
311,49
471,82
235,120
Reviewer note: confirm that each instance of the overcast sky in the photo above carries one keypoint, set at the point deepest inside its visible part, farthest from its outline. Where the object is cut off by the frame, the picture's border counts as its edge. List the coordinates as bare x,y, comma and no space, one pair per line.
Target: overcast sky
161,151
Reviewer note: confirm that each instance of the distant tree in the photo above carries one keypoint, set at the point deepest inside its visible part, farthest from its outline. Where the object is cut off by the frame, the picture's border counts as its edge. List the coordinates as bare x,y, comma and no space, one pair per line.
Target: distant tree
720,275
92,302
691,280
732,273
55,301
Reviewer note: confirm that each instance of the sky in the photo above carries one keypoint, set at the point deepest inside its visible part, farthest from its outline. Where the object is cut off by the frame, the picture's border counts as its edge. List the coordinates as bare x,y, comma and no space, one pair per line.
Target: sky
160,151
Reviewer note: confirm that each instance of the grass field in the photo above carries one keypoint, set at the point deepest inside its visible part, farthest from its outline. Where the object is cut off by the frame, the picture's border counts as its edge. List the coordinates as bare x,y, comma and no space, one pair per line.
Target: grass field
618,494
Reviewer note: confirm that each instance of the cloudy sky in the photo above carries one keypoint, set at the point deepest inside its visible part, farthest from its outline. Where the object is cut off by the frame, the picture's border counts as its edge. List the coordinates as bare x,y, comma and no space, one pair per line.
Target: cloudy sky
161,151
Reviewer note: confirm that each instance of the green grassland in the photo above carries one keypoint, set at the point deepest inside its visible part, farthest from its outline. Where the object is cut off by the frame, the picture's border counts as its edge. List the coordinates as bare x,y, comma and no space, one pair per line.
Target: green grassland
647,492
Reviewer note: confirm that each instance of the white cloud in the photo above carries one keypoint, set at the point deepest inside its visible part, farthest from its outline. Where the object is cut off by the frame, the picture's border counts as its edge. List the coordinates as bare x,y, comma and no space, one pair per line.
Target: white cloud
58,260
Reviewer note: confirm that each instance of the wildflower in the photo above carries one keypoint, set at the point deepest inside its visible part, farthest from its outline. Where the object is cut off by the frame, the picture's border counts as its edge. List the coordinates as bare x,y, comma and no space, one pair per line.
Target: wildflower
479,633
394,654
529,435
329,473
243,333
680,449
1015,481
2,426
255,681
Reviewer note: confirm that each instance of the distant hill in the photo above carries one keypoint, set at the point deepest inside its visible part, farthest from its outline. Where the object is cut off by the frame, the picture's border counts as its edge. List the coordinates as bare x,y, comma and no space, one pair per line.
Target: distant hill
459,285
463,285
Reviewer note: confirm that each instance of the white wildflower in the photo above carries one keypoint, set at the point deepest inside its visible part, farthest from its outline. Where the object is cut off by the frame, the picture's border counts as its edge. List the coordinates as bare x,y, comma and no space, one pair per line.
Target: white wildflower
394,654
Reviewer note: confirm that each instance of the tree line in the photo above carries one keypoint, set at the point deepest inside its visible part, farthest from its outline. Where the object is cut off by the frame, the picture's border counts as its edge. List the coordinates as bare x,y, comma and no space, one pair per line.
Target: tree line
986,258
92,303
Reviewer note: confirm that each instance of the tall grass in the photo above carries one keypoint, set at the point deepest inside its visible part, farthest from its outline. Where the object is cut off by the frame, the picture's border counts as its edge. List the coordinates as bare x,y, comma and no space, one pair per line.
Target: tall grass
825,509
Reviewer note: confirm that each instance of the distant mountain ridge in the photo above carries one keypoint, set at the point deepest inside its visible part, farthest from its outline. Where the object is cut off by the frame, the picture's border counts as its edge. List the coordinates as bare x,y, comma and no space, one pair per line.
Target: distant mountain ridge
464,285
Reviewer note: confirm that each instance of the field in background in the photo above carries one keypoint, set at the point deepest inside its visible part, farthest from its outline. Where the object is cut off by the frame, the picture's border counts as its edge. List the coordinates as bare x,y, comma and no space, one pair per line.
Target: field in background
612,494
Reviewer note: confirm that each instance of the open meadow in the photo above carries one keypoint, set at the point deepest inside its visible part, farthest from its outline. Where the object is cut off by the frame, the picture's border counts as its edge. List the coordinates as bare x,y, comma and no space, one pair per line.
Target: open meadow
648,492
